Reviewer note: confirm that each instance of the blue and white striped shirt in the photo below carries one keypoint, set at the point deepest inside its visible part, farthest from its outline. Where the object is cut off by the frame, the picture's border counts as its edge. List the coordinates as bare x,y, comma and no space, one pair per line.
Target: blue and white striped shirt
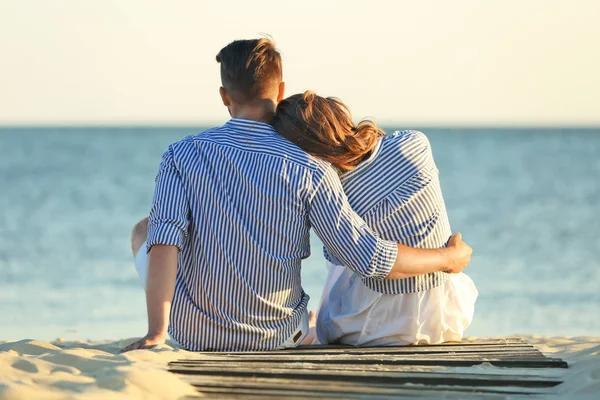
238,201
397,192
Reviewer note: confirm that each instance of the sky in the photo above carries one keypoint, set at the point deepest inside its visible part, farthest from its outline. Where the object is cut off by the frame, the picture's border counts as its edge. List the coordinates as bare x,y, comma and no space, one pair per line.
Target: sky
452,63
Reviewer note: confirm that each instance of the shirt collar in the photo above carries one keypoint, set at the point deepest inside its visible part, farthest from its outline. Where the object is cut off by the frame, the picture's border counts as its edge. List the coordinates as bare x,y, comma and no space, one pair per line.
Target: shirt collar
250,127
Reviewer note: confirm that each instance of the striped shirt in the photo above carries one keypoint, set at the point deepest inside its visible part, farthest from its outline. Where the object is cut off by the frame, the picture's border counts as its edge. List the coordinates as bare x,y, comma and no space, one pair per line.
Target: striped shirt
397,192
238,201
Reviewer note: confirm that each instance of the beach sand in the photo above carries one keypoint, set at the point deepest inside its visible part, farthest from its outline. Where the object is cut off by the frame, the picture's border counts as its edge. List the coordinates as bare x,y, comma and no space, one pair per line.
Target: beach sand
31,369
582,378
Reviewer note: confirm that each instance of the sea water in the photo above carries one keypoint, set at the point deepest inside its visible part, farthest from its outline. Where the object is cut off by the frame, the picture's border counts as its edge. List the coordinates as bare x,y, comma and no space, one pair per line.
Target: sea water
526,200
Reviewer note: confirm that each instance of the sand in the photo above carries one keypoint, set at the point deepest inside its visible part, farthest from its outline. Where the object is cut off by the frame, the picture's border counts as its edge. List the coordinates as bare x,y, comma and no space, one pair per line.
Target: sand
582,378
31,369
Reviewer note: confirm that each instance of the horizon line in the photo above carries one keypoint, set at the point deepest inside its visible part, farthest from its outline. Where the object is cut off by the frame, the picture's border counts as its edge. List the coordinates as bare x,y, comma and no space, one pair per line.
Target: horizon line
190,124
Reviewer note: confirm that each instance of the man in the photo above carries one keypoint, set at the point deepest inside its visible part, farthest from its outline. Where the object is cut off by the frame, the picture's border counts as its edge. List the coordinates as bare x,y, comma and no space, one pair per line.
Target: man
230,220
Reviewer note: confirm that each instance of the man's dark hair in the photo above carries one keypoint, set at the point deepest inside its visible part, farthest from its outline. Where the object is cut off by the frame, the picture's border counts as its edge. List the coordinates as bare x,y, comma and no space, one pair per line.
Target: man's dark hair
250,69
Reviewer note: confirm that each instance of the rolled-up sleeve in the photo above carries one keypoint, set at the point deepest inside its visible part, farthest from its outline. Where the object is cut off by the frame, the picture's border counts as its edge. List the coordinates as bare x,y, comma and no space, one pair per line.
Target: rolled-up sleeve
344,233
169,215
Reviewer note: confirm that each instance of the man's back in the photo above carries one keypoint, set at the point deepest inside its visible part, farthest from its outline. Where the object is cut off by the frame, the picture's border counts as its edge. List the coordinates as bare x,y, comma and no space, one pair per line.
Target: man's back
247,193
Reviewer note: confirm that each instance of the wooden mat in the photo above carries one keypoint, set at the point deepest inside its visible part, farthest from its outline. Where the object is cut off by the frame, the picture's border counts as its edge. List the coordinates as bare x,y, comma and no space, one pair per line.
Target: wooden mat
339,372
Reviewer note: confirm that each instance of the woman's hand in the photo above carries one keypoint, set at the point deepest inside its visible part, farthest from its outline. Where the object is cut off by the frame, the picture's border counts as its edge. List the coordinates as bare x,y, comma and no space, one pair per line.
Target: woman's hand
147,342
460,254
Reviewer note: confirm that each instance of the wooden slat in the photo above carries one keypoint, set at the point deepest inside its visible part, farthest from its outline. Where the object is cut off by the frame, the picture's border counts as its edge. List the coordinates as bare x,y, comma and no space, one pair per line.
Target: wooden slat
441,360
473,342
231,368
327,388
383,377
375,358
284,392
487,345
448,346
452,363
373,368
390,350
358,355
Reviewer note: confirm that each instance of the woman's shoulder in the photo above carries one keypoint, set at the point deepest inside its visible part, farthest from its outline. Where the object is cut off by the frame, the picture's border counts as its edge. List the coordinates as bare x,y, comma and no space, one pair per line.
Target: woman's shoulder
410,145
407,137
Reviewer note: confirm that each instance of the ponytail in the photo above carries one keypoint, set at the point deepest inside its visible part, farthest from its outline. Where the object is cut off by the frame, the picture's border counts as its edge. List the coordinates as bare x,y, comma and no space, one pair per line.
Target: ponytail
323,127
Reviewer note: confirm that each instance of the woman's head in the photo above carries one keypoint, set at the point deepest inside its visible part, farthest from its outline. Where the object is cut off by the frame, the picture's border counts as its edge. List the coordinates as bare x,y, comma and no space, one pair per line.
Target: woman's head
323,127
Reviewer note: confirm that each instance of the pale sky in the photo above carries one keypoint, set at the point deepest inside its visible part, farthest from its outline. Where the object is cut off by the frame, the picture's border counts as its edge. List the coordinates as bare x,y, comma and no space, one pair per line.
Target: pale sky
459,62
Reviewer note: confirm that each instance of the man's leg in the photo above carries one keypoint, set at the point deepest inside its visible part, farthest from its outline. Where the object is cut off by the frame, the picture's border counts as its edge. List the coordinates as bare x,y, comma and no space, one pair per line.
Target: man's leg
139,234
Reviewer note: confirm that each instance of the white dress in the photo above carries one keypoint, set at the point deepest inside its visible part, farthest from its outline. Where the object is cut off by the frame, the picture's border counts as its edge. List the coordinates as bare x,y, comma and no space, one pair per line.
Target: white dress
351,313
398,194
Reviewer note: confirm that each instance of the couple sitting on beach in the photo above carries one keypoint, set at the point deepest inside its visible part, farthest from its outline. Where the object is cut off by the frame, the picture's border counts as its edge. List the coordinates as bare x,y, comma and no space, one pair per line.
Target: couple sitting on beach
220,254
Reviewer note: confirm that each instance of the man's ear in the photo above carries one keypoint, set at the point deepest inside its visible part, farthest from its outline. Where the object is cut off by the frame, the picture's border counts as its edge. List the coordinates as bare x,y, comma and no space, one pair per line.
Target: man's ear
224,97
281,93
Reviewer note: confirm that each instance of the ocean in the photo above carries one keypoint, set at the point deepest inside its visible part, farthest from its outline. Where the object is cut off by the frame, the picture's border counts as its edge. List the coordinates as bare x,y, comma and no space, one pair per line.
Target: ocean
526,200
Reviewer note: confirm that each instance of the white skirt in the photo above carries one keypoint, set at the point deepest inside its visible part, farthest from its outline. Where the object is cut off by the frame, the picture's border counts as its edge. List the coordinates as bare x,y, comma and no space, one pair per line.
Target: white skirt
351,313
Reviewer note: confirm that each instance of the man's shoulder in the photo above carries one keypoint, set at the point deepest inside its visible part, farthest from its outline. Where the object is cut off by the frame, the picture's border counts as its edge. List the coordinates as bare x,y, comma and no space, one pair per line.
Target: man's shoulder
218,135
202,135
272,146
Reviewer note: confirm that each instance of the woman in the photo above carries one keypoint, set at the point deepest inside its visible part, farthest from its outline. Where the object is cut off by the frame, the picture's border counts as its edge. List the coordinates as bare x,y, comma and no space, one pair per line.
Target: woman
392,183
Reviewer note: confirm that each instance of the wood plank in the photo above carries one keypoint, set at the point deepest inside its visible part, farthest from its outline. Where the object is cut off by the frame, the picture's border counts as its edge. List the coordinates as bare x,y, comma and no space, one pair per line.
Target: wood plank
296,357
466,342
324,387
349,358
229,392
497,345
524,363
387,350
331,368
342,356
374,368
442,360
425,347
380,377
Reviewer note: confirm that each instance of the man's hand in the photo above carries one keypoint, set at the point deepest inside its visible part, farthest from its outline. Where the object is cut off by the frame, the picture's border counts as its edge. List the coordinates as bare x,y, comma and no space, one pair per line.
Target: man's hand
460,254
147,342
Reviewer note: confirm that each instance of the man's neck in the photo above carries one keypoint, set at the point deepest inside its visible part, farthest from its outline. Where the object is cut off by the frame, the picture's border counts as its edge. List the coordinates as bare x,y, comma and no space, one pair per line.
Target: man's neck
264,111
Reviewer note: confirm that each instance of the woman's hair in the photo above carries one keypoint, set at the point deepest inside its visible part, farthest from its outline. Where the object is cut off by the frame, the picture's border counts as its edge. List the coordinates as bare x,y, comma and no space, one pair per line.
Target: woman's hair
323,127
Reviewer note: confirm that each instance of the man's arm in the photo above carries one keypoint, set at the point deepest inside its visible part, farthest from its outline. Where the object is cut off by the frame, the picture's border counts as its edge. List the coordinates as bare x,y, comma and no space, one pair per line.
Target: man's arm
412,261
167,228
350,240
160,286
